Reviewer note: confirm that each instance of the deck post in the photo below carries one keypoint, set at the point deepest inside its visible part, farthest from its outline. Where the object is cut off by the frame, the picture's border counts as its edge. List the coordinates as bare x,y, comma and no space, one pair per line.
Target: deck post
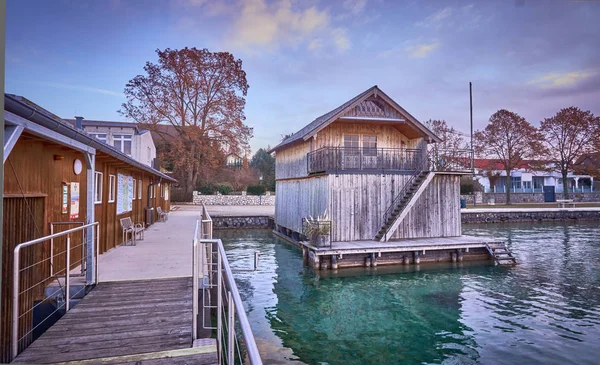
460,255
453,256
90,243
373,260
417,258
305,255
406,260
334,264
367,262
315,262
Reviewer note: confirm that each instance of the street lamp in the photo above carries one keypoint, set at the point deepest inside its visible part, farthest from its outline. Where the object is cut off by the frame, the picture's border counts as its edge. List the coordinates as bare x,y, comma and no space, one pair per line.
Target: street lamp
260,178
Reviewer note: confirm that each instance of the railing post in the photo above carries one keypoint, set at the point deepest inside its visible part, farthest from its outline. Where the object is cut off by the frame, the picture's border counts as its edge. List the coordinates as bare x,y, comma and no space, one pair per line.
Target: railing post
219,306
230,330
83,252
51,250
67,276
15,305
97,253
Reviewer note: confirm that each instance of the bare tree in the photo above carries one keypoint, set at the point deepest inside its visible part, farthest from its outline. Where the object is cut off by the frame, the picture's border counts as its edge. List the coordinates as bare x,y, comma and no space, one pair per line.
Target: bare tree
570,134
511,139
201,94
451,138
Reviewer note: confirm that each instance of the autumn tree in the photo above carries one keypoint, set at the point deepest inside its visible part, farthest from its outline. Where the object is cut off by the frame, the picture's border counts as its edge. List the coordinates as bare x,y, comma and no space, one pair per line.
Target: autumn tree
451,138
201,95
570,134
509,138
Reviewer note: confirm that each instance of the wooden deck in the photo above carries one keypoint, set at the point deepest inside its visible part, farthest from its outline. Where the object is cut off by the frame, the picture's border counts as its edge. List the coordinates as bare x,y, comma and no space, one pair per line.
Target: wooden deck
404,245
126,322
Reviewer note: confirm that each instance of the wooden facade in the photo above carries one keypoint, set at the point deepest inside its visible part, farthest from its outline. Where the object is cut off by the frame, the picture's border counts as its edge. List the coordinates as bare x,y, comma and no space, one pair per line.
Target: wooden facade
356,201
37,171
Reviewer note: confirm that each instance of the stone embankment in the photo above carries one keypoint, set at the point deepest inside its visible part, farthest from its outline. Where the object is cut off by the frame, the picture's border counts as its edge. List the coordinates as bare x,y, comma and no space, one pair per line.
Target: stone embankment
239,200
500,215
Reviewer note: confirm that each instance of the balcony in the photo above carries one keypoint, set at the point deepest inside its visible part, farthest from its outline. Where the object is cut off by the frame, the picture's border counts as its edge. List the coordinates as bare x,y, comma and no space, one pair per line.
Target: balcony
382,160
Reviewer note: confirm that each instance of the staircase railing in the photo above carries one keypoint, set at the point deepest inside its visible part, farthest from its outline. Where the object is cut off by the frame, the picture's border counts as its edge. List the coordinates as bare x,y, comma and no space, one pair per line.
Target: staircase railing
423,165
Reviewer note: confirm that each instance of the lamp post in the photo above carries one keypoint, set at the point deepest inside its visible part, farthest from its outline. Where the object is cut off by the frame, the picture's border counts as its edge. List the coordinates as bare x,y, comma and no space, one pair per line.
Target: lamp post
260,178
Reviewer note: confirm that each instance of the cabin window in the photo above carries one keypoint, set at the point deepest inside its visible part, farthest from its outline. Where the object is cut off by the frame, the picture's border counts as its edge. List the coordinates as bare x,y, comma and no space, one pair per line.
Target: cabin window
111,188
122,142
167,192
97,187
99,136
351,141
133,190
515,183
161,190
140,189
369,145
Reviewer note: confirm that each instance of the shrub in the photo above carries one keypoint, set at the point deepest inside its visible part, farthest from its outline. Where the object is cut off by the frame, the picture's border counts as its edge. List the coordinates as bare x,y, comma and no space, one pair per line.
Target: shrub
224,189
256,189
208,189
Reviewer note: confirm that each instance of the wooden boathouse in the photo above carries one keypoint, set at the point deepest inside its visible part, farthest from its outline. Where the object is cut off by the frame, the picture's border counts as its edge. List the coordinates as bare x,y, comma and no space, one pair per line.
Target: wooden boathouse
377,174
58,177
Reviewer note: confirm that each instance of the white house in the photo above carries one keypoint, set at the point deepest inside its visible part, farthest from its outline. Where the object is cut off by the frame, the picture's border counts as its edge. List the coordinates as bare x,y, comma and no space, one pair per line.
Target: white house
124,136
529,177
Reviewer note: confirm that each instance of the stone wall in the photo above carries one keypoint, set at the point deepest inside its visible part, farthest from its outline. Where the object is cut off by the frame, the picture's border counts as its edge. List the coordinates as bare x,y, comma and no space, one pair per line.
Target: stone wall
242,222
233,199
528,216
500,198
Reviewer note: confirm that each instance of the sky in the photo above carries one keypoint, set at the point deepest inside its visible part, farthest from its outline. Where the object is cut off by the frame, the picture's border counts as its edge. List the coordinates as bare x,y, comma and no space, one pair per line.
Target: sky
306,57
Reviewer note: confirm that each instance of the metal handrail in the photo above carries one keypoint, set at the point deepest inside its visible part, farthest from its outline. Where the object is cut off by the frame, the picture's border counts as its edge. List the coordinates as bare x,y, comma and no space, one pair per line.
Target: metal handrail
362,158
17,270
225,284
52,224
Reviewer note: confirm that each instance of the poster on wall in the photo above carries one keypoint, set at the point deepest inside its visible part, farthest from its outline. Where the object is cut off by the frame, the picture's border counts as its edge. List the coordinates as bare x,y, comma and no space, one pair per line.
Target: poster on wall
65,199
124,193
74,200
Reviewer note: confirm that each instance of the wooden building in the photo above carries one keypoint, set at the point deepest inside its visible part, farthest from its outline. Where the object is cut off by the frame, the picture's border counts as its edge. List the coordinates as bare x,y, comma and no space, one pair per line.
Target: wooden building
54,172
374,169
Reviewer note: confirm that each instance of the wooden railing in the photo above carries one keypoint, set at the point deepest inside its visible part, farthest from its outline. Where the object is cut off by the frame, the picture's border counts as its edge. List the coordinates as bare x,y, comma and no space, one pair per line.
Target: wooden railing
333,159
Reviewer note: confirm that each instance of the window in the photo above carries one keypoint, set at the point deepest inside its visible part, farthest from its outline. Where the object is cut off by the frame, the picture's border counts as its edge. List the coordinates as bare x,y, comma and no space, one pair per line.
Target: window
133,189
99,136
351,141
515,183
369,145
97,187
140,189
111,188
161,190
526,184
166,191
122,142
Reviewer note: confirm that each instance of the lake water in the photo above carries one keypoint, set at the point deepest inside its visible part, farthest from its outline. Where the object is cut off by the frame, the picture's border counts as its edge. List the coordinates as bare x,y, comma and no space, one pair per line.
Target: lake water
546,310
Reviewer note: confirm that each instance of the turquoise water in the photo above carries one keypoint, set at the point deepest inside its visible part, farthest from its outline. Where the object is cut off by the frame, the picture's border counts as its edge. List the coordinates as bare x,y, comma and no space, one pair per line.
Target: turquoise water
544,311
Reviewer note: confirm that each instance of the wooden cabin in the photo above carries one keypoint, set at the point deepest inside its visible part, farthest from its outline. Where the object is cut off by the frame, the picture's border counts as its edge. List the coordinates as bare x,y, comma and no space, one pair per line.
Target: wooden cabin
374,169
54,172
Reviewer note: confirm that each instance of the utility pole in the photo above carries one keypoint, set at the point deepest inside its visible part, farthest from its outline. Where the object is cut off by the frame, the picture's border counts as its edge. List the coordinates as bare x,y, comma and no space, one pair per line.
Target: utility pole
472,151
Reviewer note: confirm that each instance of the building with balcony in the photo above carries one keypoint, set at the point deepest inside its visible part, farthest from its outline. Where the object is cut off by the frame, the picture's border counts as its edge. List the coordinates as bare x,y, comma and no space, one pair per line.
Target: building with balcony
125,136
372,168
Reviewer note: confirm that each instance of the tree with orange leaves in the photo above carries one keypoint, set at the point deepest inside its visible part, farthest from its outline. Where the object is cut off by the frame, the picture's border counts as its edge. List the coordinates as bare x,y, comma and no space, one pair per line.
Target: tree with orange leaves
201,95
511,139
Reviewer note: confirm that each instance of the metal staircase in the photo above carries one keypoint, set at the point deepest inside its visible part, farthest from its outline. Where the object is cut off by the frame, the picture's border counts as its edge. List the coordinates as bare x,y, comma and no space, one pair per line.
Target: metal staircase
501,254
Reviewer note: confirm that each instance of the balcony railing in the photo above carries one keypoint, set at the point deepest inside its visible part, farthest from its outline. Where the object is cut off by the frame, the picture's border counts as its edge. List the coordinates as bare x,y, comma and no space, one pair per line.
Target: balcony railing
338,159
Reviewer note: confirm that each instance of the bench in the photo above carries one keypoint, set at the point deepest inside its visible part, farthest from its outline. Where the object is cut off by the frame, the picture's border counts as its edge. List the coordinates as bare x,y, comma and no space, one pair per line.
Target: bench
162,215
562,203
133,229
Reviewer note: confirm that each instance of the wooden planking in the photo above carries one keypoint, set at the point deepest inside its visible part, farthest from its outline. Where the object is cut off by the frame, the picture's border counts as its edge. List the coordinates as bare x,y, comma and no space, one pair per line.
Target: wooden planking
291,161
357,203
300,198
436,213
160,319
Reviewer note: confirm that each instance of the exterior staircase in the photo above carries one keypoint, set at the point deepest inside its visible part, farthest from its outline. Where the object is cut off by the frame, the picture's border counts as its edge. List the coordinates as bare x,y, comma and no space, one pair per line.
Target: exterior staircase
501,254
403,203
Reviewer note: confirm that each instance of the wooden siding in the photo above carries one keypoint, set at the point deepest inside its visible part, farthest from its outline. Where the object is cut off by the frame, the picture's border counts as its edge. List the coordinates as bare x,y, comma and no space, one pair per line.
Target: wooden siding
33,172
436,212
300,198
357,203
291,161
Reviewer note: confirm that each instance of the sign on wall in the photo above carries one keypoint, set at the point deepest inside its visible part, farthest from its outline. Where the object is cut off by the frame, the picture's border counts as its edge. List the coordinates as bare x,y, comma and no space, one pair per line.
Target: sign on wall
74,200
124,193
65,199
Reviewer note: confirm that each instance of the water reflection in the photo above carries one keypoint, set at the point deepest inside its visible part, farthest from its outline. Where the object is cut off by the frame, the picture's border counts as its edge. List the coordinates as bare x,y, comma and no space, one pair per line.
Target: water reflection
546,310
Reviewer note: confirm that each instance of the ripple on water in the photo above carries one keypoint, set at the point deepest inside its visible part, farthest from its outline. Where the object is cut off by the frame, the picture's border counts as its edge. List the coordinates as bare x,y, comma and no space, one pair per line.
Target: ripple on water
546,310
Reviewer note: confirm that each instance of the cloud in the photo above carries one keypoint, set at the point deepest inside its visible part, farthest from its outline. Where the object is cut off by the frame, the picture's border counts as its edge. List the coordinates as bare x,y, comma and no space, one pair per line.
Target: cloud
421,50
457,18
80,88
355,7
558,80
280,24
435,20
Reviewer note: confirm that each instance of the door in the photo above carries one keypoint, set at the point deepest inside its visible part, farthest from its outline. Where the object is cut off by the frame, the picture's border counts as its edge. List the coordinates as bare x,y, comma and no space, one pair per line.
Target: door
351,153
549,196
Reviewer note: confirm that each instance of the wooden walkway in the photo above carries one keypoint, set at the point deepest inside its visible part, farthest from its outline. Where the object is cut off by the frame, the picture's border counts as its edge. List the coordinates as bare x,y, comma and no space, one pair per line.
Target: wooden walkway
126,322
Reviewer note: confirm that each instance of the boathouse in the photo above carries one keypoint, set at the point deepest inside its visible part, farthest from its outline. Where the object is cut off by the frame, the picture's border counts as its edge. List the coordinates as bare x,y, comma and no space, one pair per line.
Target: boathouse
58,177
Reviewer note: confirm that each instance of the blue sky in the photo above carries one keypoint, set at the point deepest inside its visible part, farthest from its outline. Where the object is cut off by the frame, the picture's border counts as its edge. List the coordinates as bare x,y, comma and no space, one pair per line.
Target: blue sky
304,58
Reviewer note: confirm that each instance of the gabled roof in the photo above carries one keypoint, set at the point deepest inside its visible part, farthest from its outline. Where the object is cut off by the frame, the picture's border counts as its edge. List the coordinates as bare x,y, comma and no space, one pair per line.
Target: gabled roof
107,123
324,120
